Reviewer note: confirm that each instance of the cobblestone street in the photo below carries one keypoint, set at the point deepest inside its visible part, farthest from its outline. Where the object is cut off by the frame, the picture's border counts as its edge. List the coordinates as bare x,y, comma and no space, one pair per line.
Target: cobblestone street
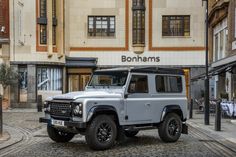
35,142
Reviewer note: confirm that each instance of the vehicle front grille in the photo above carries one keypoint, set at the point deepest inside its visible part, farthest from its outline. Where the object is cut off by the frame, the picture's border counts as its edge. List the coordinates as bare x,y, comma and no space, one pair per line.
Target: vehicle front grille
60,109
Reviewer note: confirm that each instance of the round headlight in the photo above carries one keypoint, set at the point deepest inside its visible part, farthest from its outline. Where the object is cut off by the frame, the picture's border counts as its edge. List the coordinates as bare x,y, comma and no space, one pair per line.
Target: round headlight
77,110
48,108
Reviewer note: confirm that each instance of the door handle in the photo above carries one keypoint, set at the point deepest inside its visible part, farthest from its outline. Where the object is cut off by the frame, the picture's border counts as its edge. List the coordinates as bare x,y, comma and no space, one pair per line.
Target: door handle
148,105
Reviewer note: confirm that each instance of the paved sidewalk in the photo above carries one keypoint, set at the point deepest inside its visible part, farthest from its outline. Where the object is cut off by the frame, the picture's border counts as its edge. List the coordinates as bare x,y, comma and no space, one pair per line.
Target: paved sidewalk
227,135
11,137
14,121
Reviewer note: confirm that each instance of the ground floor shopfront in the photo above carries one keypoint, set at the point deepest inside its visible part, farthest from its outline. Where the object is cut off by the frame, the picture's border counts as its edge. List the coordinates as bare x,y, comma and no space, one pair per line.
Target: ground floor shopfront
49,79
225,82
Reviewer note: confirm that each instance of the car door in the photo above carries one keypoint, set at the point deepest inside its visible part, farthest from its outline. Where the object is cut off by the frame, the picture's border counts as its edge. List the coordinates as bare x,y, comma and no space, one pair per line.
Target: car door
138,106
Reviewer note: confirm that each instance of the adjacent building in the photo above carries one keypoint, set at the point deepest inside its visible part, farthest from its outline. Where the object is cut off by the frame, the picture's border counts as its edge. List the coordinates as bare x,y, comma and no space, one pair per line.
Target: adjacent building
4,39
37,49
222,47
56,44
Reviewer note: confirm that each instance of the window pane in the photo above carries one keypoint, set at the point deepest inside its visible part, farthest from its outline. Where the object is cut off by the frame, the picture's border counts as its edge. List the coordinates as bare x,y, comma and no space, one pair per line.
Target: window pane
176,25
49,79
43,34
138,84
169,84
138,27
43,8
101,26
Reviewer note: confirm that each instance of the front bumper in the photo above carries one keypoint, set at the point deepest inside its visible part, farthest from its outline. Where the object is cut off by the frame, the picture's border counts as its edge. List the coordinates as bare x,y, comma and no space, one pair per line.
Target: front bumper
81,125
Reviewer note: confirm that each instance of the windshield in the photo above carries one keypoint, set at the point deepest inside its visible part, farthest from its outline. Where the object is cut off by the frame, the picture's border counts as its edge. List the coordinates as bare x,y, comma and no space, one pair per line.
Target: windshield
109,78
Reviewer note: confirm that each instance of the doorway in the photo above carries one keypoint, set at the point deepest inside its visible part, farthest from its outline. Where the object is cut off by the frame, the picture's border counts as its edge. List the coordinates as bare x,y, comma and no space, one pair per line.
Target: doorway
77,78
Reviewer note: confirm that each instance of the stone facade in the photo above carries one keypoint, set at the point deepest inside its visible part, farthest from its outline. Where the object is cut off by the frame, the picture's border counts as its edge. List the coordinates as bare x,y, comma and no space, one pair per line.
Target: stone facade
222,46
37,62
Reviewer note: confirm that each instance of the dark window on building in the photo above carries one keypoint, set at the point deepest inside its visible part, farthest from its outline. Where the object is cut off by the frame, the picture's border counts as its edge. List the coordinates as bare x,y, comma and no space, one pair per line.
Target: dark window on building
54,13
43,34
43,8
138,21
169,84
176,25
43,27
54,35
138,84
54,17
101,26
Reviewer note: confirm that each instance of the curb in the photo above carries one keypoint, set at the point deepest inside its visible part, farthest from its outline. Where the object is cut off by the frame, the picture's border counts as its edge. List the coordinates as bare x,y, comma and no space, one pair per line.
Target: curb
14,137
220,139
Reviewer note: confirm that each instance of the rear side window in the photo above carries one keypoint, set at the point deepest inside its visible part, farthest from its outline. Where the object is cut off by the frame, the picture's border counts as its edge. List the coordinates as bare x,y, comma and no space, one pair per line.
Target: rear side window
169,84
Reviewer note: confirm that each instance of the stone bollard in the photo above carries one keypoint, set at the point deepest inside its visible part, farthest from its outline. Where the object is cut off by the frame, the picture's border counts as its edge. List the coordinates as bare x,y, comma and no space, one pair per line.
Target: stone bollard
39,103
191,109
1,124
218,116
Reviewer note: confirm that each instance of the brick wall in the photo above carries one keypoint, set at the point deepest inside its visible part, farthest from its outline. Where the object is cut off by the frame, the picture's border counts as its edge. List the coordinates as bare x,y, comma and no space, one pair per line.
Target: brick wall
4,18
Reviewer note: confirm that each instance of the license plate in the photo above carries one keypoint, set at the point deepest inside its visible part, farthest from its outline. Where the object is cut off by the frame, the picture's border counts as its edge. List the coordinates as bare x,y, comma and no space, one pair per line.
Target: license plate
58,122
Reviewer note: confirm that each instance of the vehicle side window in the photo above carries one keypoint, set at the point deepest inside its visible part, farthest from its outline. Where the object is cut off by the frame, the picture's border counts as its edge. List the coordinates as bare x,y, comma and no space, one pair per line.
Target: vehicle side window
138,84
169,84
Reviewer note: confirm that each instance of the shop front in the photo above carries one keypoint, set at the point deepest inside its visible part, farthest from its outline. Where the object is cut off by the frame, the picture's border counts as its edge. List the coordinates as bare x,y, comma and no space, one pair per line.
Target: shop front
79,71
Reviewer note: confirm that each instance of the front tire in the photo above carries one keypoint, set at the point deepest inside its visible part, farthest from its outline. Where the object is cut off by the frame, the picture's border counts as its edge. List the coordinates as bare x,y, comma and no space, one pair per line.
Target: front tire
59,136
101,133
171,128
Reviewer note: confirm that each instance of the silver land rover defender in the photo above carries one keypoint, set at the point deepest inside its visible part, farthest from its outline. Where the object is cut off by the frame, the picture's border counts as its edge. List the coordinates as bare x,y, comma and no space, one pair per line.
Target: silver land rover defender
120,101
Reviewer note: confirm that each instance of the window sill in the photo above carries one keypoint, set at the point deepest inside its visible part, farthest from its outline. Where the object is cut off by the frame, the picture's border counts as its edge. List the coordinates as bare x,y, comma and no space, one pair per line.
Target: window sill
89,37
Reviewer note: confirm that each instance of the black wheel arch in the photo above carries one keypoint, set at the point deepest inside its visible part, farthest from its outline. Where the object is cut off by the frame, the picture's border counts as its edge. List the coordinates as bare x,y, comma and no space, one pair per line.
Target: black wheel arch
172,109
105,110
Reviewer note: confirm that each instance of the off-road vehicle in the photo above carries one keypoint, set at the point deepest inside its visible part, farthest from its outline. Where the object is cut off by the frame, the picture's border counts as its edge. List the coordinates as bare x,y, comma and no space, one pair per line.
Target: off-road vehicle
120,101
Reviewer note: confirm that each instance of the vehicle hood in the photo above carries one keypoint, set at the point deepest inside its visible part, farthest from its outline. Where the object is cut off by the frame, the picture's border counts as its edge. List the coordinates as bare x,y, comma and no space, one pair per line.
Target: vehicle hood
89,94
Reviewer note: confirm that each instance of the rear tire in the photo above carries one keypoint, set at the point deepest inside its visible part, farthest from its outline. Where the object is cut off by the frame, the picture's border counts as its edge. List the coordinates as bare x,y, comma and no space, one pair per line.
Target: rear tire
131,133
59,136
101,133
171,128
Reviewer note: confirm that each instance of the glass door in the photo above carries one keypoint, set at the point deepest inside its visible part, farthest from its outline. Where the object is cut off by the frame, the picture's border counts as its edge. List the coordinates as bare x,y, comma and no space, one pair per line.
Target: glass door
23,84
73,83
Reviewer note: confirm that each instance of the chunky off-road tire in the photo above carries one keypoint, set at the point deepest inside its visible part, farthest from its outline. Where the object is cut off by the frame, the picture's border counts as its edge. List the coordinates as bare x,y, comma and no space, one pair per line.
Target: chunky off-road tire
171,128
131,133
101,133
59,136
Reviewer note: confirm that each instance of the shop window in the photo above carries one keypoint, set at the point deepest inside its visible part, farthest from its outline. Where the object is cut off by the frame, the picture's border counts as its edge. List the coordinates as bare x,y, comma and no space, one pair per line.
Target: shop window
49,79
138,22
23,85
169,84
176,25
101,26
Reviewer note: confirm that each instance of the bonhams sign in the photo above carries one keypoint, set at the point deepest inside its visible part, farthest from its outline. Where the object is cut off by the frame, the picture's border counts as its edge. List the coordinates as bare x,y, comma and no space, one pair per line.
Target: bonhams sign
139,59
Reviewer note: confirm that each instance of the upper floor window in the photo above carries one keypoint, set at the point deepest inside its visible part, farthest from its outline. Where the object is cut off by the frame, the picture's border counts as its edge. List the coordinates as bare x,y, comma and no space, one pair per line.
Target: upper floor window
176,25
169,84
43,34
101,26
220,40
54,9
138,21
43,8
54,26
